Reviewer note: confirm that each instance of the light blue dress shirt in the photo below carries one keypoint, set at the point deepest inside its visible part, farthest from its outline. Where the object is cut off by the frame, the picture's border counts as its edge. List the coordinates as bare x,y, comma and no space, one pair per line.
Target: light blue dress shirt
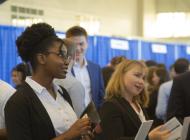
163,96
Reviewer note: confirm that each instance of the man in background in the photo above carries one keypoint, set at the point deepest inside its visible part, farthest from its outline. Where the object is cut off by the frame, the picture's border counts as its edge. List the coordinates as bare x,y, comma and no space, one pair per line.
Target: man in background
180,66
88,73
179,100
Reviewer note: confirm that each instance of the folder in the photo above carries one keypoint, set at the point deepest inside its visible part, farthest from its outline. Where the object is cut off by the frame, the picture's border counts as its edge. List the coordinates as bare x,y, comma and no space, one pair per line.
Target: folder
185,128
175,128
92,113
143,130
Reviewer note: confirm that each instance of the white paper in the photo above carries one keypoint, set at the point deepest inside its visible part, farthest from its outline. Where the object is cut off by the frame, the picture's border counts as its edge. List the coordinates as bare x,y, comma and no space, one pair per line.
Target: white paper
186,124
143,130
175,127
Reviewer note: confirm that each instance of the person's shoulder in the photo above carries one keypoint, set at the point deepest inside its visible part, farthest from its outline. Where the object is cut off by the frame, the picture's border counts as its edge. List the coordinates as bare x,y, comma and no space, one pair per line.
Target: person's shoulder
183,77
6,88
109,106
21,95
108,69
166,84
112,103
93,64
113,107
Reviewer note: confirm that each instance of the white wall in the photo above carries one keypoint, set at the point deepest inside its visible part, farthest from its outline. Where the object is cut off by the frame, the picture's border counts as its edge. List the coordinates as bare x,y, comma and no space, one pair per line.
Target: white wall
126,18
117,17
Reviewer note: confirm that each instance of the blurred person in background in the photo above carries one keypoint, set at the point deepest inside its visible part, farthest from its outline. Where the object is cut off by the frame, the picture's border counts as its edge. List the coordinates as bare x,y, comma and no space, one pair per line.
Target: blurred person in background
19,73
108,70
6,92
179,99
180,66
156,76
150,63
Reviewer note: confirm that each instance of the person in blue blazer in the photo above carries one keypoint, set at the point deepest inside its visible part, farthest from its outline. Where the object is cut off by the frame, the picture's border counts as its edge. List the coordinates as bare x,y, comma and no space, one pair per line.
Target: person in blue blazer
87,72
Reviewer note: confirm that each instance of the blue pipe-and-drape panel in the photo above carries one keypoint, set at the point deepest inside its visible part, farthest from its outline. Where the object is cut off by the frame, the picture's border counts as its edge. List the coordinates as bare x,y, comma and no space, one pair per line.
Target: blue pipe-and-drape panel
183,51
100,50
8,51
165,58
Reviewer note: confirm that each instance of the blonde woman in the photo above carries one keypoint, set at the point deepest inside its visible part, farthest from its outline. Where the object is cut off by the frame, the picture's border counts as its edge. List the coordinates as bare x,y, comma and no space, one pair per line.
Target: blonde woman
122,112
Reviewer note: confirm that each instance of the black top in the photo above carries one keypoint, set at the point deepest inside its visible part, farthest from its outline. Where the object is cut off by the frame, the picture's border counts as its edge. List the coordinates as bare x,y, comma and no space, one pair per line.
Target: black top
107,73
26,118
179,100
118,123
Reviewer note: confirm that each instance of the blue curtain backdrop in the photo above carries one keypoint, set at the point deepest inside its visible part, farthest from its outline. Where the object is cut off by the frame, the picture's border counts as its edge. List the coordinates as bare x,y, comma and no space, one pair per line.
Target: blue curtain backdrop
9,57
182,52
99,51
167,59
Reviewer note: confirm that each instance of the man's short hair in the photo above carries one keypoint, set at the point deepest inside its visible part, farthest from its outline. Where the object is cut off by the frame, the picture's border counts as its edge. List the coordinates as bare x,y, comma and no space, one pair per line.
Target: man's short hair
76,31
181,65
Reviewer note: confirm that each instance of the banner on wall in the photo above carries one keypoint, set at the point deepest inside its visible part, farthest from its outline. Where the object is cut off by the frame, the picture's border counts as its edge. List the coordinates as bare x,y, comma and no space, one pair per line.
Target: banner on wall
159,48
60,35
188,50
119,44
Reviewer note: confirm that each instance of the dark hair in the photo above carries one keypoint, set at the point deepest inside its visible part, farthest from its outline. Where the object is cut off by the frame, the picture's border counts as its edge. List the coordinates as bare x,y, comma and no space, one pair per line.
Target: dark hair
181,65
117,59
24,69
76,31
161,65
35,39
151,71
150,63
162,73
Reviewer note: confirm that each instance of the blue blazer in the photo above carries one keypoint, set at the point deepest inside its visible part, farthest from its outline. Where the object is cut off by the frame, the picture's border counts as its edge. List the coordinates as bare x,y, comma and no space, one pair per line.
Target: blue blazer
96,82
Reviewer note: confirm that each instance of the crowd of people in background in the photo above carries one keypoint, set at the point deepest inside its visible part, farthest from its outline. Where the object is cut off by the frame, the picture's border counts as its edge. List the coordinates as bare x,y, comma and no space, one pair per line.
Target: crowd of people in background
56,82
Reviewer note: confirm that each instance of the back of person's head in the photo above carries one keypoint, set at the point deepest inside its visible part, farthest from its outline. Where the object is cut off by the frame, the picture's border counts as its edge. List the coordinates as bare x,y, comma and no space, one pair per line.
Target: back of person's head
76,31
71,47
172,72
181,65
116,60
19,73
161,65
162,73
150,63
35,39
116,85
155,77
151,71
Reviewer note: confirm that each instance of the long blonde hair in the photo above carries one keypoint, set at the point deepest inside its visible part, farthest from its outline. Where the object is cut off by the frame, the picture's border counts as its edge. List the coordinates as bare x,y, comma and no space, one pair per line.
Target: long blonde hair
115,87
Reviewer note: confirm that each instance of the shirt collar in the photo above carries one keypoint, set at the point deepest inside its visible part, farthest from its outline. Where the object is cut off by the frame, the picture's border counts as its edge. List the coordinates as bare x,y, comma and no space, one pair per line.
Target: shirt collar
39,88
78,65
